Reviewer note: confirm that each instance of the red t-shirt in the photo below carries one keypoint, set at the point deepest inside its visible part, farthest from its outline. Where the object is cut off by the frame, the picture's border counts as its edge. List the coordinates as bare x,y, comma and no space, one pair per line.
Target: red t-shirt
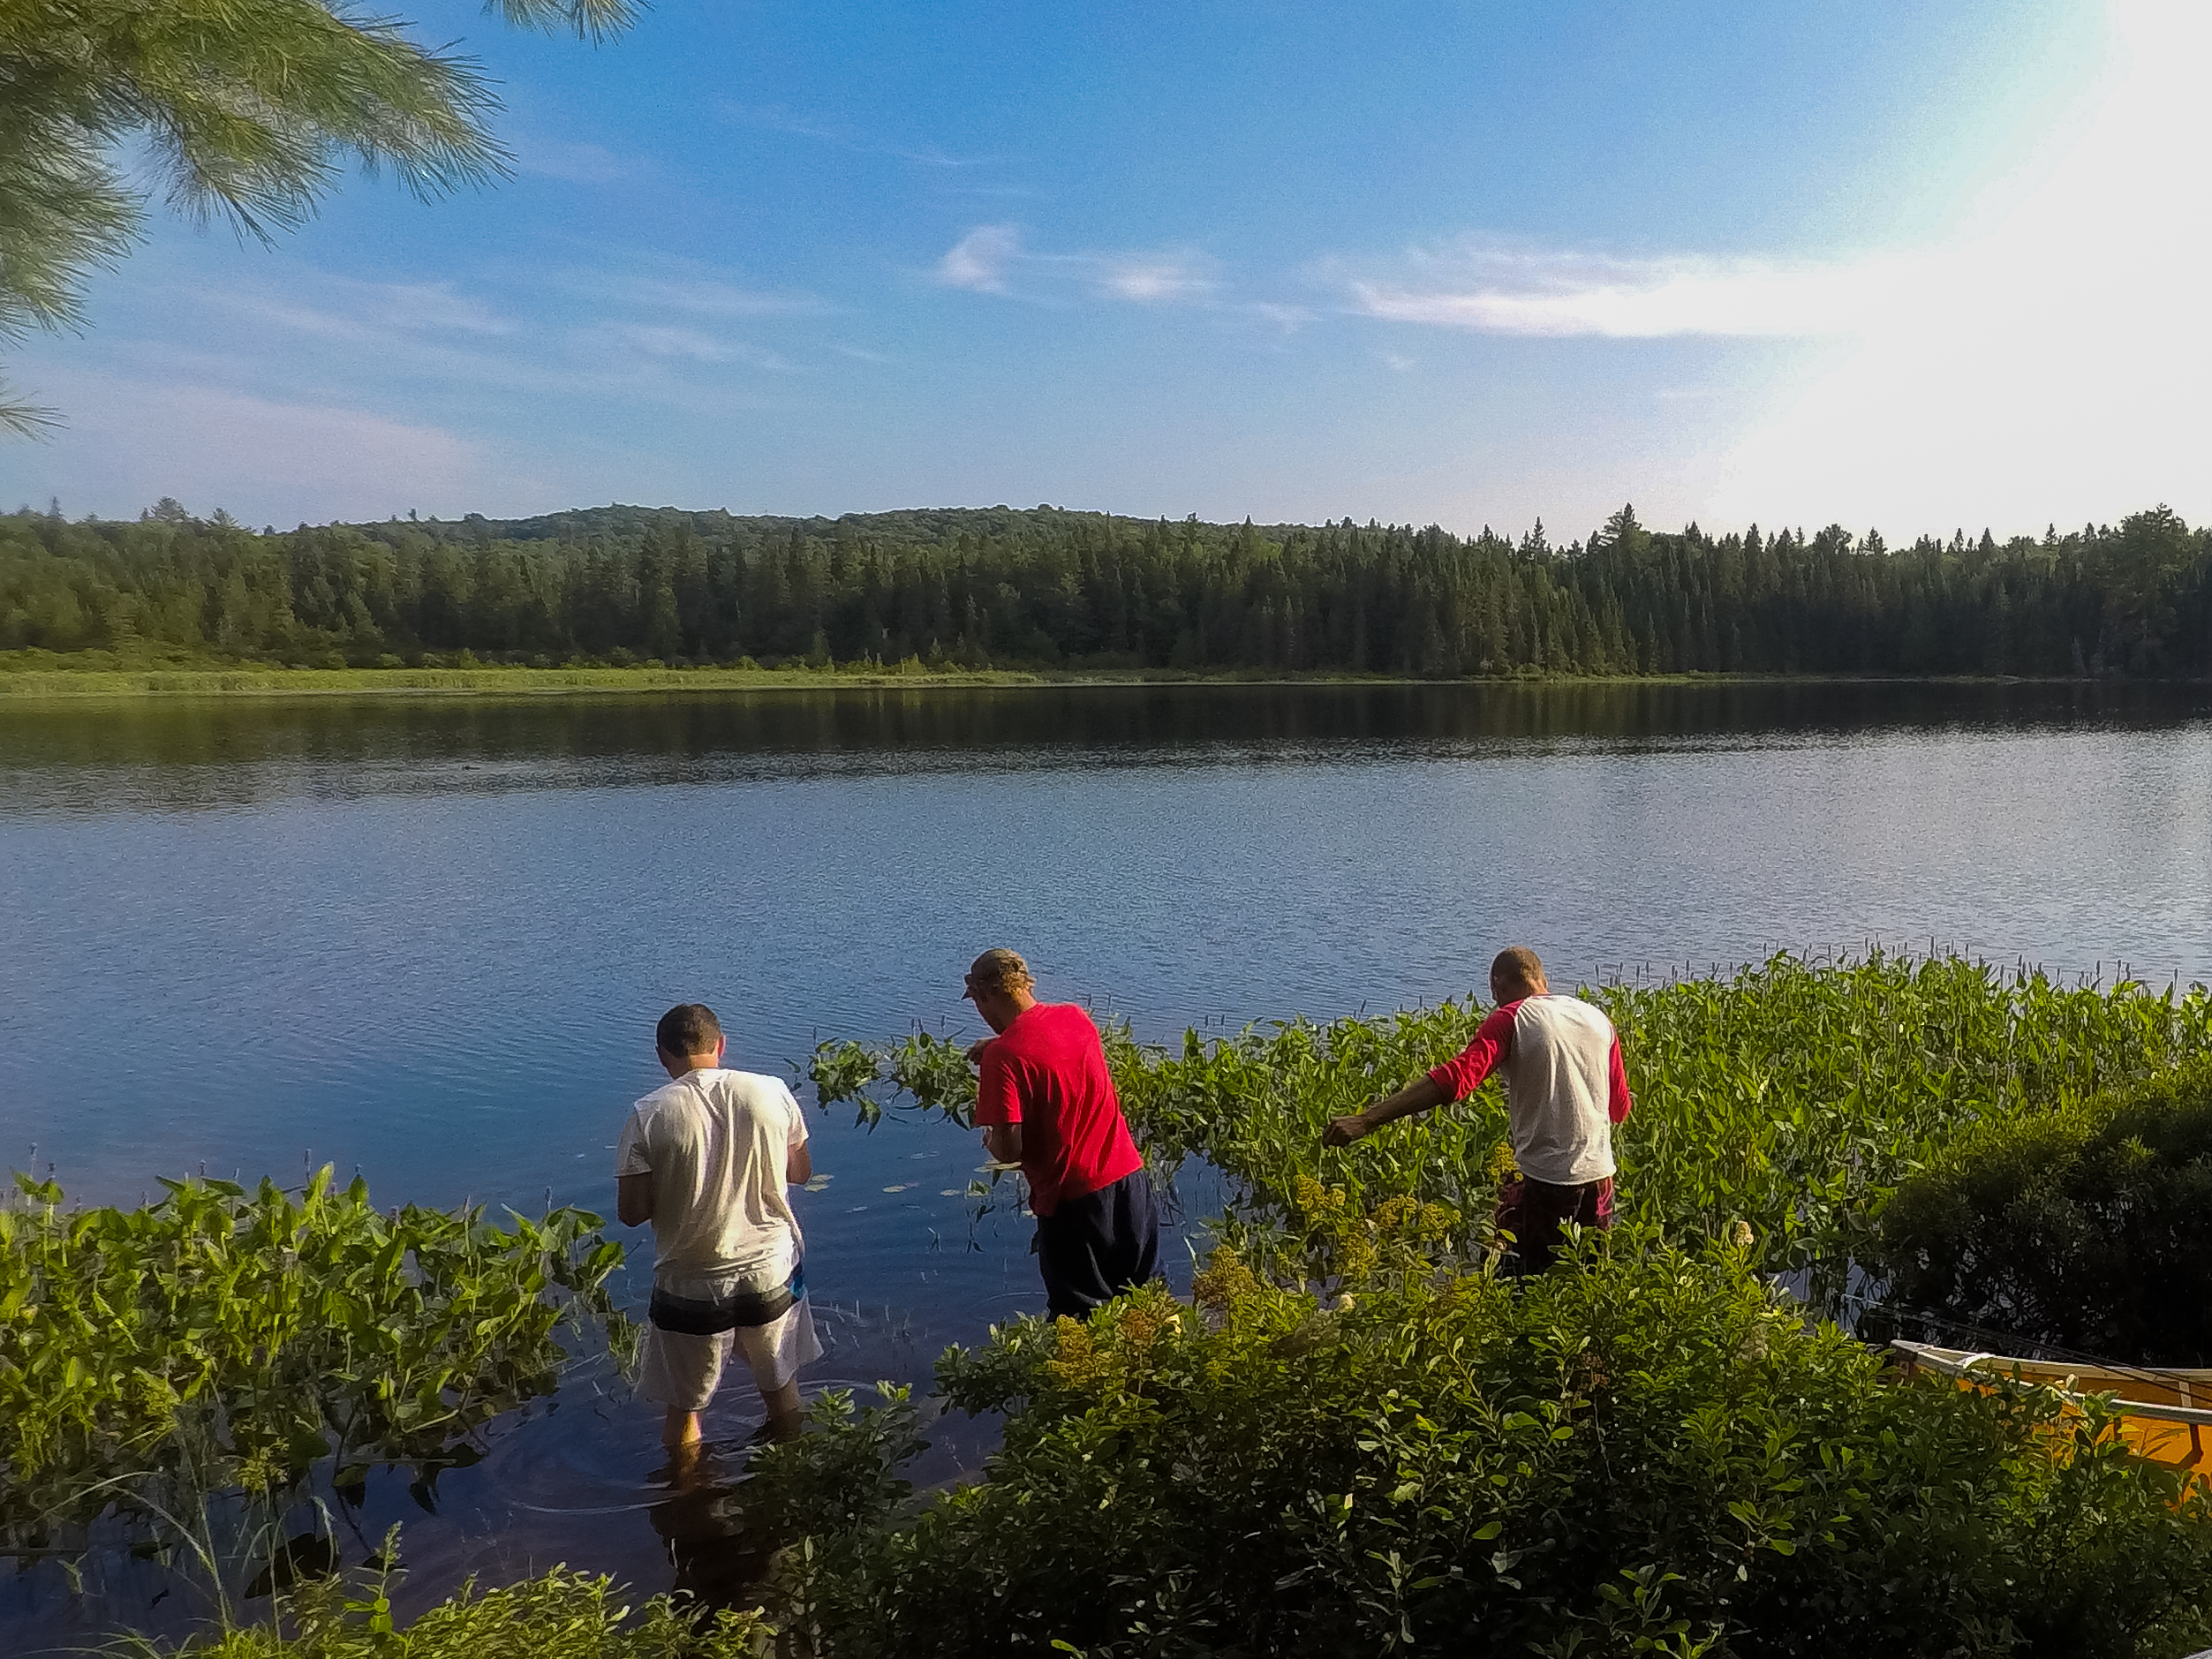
1047,1072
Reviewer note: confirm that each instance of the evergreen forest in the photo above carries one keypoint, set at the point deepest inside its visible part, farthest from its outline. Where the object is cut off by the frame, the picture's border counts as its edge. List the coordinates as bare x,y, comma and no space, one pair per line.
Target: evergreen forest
1050,589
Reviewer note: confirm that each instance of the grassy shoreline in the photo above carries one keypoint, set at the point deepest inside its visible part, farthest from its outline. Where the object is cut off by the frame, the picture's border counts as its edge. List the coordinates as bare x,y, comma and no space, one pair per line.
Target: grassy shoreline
51,678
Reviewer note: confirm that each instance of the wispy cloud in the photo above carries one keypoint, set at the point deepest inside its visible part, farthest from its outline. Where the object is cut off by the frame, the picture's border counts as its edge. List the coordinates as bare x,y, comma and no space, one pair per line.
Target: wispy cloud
1289,319
1152,278
825,130
575,163
980,259
711,297
993,259
691,345
272,460
1489,290
351,309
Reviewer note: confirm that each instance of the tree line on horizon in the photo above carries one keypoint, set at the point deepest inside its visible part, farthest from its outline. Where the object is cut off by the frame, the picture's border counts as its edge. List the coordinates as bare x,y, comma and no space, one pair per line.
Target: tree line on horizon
1045,588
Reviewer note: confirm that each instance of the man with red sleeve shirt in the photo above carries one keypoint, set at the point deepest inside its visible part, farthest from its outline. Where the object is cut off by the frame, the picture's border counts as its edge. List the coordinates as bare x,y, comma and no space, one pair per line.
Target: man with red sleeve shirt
1564,1089
1045,1101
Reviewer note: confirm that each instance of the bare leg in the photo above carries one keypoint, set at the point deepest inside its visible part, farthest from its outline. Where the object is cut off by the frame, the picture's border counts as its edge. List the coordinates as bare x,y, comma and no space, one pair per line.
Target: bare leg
681,1428
783,1410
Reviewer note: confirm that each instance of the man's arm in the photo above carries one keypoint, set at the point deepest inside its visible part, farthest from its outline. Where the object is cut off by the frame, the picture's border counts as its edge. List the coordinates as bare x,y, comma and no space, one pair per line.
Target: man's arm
1454,1080
1420,1095
798,1163
998,1105
633,1199
1618,1103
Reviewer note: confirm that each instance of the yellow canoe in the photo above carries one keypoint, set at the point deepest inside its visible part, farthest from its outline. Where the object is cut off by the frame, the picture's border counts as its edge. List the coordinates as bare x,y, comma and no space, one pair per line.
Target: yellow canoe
2166,1415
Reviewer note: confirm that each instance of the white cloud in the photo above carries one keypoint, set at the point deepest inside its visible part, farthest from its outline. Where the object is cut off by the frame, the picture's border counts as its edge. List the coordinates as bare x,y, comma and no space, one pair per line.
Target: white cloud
1151,279
1488,289
660,340
990,259
346,308
710,297
775,118
979,260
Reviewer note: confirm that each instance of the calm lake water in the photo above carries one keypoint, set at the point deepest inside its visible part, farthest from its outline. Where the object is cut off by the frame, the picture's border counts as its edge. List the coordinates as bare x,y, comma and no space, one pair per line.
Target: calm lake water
427,938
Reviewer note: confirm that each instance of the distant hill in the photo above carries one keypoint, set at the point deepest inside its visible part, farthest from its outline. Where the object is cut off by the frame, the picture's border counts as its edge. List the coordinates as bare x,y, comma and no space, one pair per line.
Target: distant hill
914,527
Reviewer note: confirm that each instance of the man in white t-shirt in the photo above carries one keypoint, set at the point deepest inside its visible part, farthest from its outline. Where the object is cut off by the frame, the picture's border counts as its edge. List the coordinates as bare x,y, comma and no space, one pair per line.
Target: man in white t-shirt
1565,1088
705,1159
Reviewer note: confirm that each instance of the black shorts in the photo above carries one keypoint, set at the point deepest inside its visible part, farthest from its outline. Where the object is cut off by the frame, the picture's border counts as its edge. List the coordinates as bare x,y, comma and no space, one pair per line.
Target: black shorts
1093,1247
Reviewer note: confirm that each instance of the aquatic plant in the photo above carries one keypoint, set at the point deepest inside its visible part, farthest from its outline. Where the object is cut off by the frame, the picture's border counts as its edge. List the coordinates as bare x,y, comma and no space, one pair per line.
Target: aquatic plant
1789,1097
557,1614
222,1341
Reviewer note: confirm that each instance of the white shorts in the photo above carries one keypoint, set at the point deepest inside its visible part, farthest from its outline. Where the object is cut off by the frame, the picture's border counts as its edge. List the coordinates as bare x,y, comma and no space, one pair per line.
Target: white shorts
683,1371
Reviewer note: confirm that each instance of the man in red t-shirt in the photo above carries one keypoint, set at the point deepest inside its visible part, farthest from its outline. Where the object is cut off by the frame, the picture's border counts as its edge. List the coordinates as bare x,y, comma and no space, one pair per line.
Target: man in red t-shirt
1045,1101
1566,1089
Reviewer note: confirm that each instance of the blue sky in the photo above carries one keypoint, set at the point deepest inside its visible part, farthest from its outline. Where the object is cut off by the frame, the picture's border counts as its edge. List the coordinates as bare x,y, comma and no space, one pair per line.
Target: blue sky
1901,265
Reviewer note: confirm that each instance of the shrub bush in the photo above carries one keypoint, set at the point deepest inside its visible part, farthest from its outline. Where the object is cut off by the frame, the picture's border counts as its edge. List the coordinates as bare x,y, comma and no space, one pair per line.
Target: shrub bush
1650,1453
2089,1228
561,1615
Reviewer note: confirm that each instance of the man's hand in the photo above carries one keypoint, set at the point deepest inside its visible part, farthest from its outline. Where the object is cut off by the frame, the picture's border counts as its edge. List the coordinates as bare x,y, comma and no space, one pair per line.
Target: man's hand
1344,1131
976,1048
1420,1095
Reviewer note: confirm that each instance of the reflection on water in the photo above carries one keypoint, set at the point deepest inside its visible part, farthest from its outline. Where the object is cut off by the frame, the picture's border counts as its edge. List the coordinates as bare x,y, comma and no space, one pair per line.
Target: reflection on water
427,938
148,753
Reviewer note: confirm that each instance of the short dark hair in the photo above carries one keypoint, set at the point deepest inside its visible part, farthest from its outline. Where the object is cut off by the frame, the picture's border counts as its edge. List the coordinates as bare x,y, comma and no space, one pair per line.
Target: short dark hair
688,1029
1517,965
998,969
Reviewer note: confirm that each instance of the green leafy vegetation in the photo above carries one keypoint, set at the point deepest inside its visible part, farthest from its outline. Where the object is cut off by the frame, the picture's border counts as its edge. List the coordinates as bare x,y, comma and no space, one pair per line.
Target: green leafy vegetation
1360,1441
1791,1097
223,1342
1643,1451
1085,592
2087,1228
1355,1438
96,674
559,1615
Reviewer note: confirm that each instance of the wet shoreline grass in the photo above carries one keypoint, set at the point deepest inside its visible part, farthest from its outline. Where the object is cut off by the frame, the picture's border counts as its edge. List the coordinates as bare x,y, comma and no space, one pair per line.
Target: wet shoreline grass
43,676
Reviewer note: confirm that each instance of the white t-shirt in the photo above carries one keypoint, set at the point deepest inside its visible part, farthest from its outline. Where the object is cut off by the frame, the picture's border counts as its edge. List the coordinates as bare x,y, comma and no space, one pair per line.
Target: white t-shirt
716,1142
1566,1086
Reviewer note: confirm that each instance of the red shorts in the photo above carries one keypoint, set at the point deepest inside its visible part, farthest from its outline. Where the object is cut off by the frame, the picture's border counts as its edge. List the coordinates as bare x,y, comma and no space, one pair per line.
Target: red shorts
1534,1211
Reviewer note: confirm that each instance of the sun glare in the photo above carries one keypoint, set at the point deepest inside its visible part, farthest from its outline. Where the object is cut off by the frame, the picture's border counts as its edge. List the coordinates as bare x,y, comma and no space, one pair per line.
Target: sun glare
2046,365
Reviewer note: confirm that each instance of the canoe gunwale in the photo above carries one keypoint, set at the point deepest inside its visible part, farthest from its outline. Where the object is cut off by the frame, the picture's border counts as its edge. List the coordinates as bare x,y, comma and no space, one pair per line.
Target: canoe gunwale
1963,1363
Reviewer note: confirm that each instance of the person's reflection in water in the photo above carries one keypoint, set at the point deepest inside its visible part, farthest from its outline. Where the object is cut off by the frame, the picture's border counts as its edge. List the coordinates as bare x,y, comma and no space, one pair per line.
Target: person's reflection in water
719,1562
